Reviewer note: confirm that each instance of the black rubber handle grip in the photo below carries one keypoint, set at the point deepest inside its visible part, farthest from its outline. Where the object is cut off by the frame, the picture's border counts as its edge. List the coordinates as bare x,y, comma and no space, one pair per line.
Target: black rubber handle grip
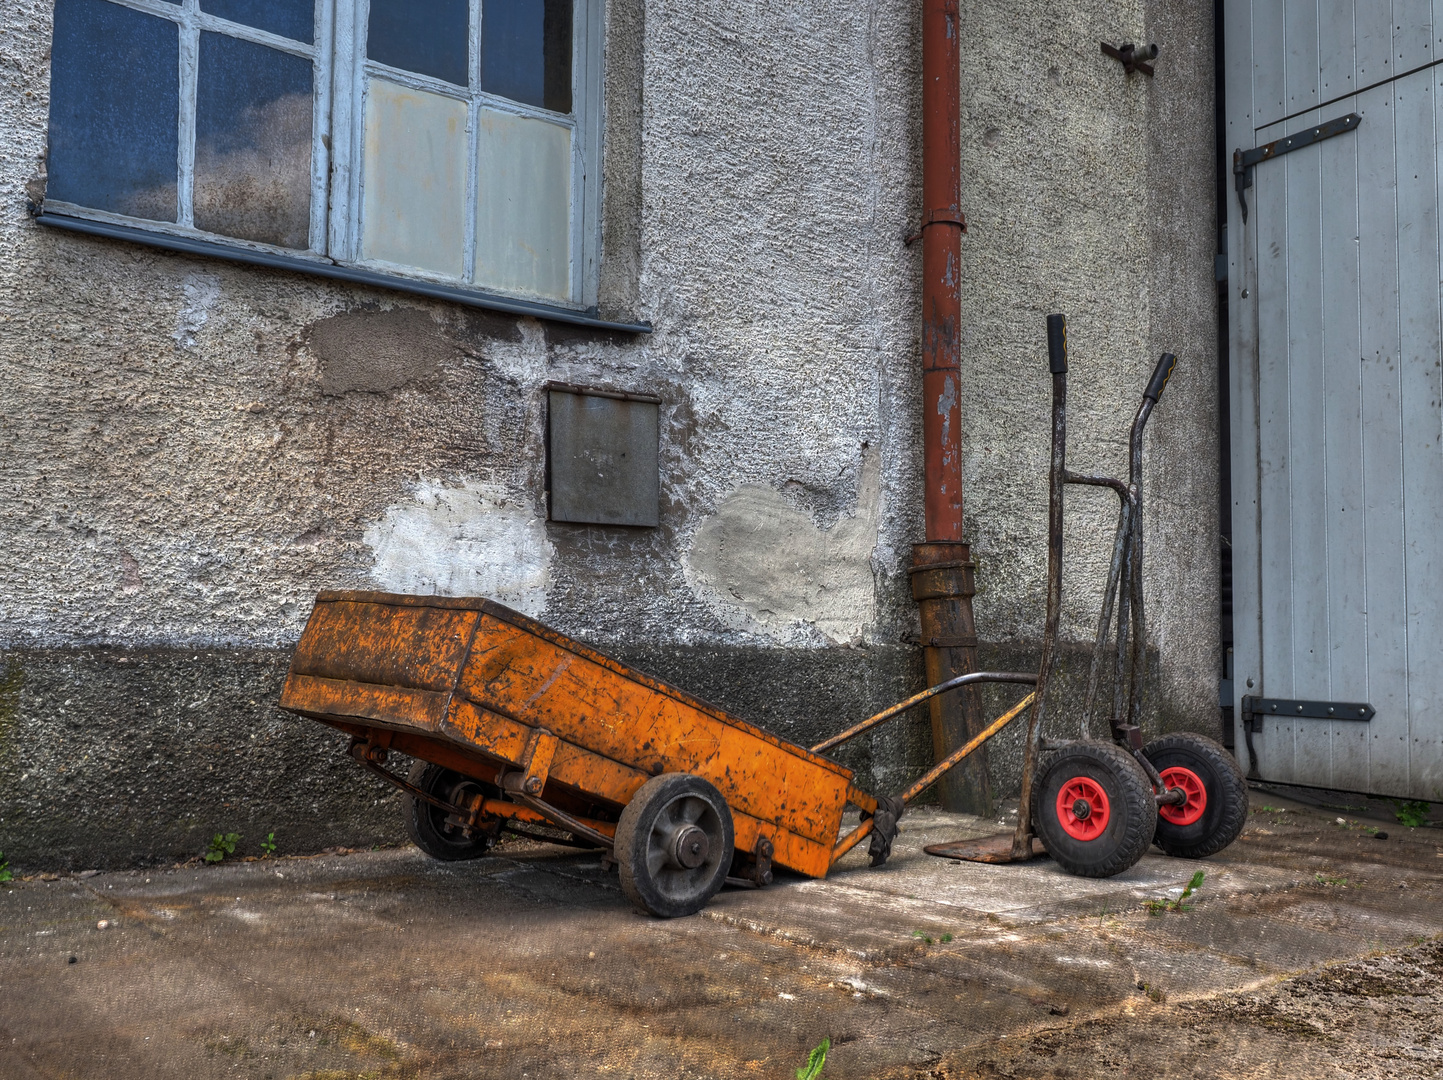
1057,344
1160,376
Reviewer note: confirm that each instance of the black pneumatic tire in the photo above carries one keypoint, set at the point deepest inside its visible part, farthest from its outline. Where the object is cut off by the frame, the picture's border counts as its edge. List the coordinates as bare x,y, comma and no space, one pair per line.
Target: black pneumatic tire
426,823
675,819
1130,816
1226,810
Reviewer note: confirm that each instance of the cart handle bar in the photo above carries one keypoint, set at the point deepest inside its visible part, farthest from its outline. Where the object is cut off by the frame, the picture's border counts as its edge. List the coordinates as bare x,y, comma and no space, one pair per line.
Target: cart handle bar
932,775
862,831
916,699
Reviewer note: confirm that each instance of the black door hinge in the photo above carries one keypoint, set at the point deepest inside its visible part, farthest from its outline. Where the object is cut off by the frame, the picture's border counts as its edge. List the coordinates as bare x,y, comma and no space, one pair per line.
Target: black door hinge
1244,160
1255,708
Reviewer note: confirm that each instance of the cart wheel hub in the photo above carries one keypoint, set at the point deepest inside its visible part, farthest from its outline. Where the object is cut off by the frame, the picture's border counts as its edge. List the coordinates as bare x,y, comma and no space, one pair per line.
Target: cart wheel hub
690,848
1082,808
1190,809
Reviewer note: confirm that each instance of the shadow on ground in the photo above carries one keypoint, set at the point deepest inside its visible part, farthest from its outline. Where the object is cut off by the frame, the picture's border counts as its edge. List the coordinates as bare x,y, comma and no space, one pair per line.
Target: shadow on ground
1308,951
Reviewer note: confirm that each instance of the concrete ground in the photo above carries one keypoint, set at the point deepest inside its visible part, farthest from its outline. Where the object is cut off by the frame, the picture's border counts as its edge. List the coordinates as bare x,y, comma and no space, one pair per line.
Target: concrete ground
1312,948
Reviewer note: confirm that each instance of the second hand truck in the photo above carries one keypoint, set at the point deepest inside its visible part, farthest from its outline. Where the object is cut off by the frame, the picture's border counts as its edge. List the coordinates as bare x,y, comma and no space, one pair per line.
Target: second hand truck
515,727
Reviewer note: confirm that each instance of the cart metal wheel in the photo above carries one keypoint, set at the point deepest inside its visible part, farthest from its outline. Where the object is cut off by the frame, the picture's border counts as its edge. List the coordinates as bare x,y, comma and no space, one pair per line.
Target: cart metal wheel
674,845
426,823
1093,808
1217,795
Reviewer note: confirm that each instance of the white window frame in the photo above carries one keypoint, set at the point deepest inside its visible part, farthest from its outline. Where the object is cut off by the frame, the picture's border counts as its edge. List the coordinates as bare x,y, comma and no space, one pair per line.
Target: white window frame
340,72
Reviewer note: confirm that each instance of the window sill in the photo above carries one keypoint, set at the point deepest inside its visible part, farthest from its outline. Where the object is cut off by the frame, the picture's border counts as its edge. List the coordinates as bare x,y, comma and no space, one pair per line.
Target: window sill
300,265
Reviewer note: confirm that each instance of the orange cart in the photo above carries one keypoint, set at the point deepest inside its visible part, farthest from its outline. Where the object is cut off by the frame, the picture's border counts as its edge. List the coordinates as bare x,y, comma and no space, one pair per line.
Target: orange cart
516,727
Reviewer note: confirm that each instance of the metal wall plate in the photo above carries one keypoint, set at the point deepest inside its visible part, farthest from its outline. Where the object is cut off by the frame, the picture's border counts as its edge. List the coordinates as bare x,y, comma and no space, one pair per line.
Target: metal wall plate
601,457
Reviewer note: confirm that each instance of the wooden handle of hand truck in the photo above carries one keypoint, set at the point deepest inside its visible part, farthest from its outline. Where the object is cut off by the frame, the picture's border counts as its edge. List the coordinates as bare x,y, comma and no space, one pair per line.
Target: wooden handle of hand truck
1057,344
1160,376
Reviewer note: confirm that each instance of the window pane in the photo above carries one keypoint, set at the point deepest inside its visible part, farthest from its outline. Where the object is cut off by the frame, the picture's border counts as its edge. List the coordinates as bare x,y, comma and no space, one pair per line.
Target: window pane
526,51
523,204
415,178
253,142
294,19
428,36
114,77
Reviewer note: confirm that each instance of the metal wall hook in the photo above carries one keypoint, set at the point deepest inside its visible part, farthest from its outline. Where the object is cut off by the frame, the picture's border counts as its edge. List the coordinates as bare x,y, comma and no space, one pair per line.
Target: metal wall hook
1132,57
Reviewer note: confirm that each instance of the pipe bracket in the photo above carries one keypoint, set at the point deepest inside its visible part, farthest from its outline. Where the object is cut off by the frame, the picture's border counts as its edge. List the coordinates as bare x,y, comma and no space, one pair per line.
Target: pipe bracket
947,216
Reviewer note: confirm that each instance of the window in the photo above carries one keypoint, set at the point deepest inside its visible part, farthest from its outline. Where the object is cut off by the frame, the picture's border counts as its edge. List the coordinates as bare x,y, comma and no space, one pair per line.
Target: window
443,141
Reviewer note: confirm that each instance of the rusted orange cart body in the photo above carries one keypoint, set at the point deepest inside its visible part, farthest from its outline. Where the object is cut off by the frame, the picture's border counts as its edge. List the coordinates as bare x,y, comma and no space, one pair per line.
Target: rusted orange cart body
552,732
476,686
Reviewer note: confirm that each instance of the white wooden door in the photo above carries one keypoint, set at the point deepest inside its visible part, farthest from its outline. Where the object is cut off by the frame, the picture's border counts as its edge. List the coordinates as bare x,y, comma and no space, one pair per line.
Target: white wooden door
1337,390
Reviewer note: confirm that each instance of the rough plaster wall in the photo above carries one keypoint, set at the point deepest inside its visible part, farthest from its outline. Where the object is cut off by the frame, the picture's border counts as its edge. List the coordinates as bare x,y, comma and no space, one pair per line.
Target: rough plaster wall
1088,192
1184,538
190,448
194,447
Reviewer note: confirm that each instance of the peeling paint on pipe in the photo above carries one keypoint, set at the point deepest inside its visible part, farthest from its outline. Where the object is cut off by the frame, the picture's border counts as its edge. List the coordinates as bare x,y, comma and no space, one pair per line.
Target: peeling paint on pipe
942,226
942,581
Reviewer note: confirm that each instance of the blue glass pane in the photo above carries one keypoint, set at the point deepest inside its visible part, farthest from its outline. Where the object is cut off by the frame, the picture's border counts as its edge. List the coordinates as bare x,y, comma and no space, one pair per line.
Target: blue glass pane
294,19
253,142
526,51
114,91
427,36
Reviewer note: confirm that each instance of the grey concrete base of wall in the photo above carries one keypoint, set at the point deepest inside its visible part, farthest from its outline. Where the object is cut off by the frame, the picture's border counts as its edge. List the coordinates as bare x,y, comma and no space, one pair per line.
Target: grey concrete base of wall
116,757
122,757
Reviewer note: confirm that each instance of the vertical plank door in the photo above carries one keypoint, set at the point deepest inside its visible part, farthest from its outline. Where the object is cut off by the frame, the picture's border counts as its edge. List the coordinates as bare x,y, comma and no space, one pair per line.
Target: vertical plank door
1336,340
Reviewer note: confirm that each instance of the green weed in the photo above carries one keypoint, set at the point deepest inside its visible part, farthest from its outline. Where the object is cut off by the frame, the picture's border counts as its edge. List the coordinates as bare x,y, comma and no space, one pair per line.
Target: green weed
1269,810
221,845
815,1060
1410,812
5,874
268,845
946,938
924,937
1157,907
1157,993
1332,879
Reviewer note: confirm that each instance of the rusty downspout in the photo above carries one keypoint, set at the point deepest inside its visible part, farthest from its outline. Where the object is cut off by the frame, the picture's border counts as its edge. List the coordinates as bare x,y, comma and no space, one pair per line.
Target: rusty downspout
942,568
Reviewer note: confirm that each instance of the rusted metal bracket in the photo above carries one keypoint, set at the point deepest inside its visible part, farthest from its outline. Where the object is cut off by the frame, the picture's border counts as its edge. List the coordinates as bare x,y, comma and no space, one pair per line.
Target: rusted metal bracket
373,757
530,779
1132,57
1244,160
948,216
1161,793
886,824
760,872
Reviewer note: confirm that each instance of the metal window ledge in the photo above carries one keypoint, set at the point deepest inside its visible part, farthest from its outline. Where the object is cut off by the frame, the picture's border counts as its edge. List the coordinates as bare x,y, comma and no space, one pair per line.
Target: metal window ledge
276,261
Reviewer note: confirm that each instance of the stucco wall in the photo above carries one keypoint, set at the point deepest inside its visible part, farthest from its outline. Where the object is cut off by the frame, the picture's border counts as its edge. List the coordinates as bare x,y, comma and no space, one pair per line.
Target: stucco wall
1090,191
190,448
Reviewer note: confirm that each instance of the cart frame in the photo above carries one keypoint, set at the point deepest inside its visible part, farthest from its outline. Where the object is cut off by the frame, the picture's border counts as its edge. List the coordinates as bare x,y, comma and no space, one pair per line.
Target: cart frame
567,735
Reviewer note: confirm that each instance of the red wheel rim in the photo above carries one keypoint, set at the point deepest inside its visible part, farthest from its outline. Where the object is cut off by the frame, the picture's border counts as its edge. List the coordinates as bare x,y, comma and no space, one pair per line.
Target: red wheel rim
1197,796
1082,808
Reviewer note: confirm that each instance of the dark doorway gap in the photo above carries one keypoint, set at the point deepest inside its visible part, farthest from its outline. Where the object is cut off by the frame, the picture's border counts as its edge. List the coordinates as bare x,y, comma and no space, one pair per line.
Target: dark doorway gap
1225,487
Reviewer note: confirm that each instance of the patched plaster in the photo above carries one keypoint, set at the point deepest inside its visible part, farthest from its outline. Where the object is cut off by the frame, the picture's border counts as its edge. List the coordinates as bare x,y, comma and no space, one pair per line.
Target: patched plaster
469,539
762,556
201,294
376,351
